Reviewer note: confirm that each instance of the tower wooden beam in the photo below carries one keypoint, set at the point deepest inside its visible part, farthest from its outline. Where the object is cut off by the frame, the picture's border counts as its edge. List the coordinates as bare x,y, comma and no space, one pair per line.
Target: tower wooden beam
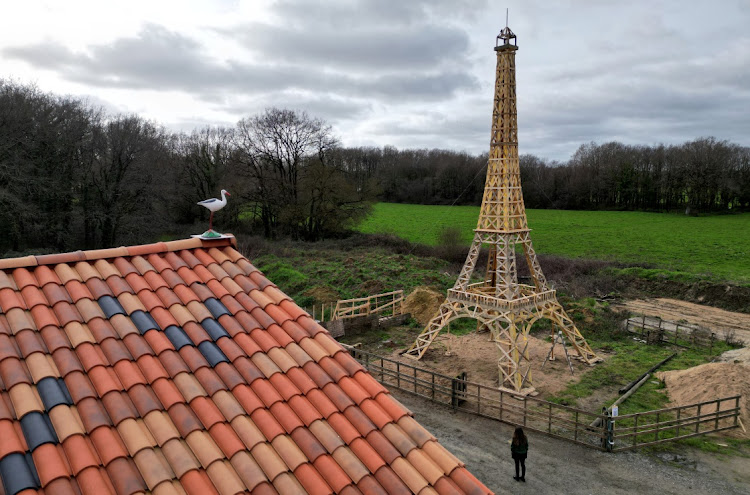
499,303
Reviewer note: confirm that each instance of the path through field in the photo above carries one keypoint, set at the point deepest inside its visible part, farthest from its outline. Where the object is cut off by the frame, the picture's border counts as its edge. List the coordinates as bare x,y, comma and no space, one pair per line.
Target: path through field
556,466
716,320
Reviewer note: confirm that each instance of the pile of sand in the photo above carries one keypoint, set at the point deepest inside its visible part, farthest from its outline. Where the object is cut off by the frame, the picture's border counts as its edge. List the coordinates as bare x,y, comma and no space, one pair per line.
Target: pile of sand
710,382
741,356
423,303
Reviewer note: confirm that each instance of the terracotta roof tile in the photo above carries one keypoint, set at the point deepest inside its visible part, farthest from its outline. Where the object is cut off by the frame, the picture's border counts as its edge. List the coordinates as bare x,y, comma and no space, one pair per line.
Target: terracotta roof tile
179,368
391,481
160,426
153,467
224,477
66,422
468,483
332,472
352,466
308,444
289,451
125,476
119,407
268,460
343,427
267,423
197,482
326,435
311,480
287,483
49,464
304,409
367,454
204,448
285,416
179,456
322,403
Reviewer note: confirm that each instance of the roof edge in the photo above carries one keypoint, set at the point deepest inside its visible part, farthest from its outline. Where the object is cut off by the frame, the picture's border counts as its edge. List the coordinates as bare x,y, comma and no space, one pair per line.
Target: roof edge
97,254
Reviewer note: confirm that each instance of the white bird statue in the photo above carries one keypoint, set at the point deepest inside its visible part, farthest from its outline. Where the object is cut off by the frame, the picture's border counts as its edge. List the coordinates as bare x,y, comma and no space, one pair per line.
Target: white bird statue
214,205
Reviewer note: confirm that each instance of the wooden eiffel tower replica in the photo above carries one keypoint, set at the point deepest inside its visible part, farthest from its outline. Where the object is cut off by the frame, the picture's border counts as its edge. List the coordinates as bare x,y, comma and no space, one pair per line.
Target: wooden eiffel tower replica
508,309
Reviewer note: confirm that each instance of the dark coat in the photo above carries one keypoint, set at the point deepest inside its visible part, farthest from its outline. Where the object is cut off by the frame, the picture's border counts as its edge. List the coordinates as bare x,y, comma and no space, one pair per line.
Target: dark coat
519,451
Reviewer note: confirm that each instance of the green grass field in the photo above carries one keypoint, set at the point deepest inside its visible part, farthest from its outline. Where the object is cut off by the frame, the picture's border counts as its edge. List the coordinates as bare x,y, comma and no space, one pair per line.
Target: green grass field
713,246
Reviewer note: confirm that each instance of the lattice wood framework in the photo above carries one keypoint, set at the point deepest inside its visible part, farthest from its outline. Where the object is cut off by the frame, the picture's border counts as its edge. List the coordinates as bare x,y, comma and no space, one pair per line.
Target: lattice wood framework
508,309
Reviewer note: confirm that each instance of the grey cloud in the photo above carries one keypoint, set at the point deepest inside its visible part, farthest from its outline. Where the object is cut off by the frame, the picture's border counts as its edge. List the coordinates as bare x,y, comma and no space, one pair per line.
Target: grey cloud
338,13
368,48
160,59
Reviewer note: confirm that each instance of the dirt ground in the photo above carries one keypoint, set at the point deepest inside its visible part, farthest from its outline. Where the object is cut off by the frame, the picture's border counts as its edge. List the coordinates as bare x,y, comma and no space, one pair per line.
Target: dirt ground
556,466
716,320
476,355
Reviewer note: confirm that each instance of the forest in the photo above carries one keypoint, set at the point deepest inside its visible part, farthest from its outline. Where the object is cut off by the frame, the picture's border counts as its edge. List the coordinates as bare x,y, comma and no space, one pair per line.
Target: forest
74,177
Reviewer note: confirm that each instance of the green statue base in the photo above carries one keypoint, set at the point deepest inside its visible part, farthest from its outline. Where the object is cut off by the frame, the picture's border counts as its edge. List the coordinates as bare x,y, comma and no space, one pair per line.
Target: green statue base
211,234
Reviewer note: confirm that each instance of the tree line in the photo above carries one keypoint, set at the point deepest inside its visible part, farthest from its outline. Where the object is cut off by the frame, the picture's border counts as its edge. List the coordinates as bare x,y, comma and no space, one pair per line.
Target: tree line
705,175
73,177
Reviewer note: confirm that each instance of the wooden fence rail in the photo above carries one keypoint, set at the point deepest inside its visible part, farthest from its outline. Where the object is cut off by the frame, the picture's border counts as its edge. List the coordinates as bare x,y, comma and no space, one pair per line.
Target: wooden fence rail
567,423
665,425
386,304
654,330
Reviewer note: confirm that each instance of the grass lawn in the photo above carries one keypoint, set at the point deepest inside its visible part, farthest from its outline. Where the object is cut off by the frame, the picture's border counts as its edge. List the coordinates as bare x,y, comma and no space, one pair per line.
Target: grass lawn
713,246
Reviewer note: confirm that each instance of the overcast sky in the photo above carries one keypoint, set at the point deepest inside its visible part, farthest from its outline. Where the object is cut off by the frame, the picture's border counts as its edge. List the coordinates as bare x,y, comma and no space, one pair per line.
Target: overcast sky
407,73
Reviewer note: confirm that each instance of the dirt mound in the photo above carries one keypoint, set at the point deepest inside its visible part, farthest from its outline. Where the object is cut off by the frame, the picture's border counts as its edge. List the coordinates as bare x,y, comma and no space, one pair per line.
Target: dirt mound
741,356
709,382
423,303
717,320
322,294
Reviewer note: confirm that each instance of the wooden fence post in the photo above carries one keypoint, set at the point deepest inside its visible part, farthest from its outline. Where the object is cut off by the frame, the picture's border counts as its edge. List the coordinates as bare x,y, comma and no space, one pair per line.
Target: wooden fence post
737,411
718,407
698,420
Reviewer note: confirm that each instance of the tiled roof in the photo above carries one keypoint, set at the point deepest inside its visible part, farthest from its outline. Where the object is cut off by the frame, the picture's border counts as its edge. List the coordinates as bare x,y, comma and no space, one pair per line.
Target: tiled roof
179,368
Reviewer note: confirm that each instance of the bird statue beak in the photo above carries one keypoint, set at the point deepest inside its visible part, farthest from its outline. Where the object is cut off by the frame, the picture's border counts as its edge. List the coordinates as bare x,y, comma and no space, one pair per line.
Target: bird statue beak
228,194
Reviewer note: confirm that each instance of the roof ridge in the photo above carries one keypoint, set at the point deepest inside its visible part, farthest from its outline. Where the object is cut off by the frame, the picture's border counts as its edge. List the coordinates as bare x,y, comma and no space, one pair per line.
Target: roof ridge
97,254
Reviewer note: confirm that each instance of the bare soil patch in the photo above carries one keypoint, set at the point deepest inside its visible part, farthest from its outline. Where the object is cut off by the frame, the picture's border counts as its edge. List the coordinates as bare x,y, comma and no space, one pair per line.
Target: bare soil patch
717,320
477,356
709,382
423,304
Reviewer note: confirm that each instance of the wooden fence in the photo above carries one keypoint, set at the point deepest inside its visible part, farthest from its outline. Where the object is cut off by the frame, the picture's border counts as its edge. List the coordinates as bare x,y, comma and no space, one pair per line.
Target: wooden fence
654,330
541,416
665,425
385,305
567,423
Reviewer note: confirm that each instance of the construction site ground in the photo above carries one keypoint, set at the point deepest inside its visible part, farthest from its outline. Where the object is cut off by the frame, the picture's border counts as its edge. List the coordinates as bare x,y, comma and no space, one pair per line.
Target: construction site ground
556,466
717,320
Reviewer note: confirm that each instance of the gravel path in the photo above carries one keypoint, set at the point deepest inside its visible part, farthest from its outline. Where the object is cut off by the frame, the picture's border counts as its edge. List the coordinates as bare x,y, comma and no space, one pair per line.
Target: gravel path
555,466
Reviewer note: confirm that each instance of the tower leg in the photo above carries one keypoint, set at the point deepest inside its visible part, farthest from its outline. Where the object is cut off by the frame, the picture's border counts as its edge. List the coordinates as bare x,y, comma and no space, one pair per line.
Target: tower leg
555,312
431,331
513,363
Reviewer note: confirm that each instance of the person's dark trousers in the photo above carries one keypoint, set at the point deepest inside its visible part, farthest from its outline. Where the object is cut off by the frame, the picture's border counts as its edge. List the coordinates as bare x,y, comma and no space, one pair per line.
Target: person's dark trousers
522,462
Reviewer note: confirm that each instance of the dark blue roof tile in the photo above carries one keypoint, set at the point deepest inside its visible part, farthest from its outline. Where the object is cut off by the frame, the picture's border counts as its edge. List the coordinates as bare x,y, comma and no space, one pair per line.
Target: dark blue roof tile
214,329
212,353
38,429
17,474
216,307
144,321
178,337
110,306
53,392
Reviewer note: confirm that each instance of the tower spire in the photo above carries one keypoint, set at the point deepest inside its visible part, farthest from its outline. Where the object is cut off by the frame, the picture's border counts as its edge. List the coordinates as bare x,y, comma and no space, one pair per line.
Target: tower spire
508,309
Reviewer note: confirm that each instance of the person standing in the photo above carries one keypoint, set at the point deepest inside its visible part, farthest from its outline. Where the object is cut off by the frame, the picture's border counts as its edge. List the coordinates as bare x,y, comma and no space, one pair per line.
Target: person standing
519,447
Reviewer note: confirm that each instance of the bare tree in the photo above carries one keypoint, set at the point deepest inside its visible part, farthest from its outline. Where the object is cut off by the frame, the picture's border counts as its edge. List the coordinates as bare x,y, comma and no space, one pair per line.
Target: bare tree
274,148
